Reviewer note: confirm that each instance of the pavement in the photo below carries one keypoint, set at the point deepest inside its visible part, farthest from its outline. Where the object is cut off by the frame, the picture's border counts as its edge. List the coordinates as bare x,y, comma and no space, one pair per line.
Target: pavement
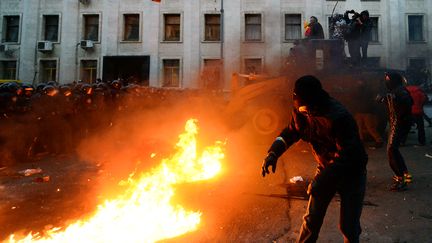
240,206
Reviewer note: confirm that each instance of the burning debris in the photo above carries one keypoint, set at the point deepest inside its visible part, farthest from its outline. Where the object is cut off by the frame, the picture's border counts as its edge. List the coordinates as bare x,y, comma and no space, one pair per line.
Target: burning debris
145,212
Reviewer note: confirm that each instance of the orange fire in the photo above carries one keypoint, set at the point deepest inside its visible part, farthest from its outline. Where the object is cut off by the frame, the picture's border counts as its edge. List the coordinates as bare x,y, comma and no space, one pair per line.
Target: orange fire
145,212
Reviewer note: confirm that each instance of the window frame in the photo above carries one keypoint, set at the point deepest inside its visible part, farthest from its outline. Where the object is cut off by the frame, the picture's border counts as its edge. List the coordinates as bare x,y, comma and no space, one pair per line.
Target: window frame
284,24
162,27
16,66
4,26
244,29
243,64
204,24
379,31
80,68
83,26
202,67
43,27
162,71
123,27
426,61
40,60
424,29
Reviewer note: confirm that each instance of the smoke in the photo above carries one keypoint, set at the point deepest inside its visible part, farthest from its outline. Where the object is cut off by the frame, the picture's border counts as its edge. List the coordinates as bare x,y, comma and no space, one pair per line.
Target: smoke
229,201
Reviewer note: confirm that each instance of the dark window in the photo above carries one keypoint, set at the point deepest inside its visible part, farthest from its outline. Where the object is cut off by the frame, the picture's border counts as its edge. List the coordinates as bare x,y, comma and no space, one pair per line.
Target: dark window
171,73
51,31
211,74
91,27
212,27
292,26
131,27
415,28
172,27
253,65
374,31
48,70
374,61
11,28
417,63
253,27
88,71
8,70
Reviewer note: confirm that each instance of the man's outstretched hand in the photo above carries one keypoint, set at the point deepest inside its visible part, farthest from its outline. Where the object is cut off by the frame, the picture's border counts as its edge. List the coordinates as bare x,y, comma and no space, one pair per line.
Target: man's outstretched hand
270,160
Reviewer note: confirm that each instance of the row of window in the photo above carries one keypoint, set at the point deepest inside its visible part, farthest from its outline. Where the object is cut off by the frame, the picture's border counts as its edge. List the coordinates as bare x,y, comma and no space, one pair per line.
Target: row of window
48,70
171,70
253,27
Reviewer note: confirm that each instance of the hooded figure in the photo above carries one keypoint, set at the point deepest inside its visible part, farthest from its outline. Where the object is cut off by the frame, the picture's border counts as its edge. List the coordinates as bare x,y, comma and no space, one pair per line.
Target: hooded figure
332,132
399,103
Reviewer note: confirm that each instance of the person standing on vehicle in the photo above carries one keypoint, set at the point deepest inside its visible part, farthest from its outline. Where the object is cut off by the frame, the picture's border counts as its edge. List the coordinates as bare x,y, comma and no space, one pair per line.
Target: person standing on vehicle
353,36
333,135
399,103
316,30
365,36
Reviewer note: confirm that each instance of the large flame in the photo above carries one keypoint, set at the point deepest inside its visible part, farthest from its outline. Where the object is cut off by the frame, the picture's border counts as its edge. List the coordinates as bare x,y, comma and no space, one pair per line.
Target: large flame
145,213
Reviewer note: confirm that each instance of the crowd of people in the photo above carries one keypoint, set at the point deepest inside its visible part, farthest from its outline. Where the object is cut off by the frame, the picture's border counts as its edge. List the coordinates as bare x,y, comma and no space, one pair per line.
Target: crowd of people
52,119
352,27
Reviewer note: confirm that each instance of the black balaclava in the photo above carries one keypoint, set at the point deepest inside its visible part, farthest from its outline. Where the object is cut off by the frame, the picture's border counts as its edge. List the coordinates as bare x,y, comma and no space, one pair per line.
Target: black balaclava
394,80
308,92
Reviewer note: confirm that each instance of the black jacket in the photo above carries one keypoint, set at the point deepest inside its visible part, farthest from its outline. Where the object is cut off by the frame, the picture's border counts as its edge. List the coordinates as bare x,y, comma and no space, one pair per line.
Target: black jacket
366,30
316,31
399,104
333,134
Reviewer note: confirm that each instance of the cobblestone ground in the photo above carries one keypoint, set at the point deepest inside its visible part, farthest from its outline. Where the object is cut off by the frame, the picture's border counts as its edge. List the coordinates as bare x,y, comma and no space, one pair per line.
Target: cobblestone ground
240,206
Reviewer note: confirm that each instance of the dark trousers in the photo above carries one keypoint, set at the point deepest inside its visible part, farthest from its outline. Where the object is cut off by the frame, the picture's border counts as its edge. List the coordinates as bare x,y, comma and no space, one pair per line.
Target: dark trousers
364,47
396,161
354,51
427,118
418,120
351,189
368,124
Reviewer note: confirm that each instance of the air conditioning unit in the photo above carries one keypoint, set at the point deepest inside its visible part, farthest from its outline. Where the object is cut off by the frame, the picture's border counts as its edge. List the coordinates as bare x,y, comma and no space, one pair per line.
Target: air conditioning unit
85,2
45,46
86,44
4,48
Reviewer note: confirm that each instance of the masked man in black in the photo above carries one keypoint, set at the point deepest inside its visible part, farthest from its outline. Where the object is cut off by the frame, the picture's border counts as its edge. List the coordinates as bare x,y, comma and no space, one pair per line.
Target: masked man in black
399,102
332,132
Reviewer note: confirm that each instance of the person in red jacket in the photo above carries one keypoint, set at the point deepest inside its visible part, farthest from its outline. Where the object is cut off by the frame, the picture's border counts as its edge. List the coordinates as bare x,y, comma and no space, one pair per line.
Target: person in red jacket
419,99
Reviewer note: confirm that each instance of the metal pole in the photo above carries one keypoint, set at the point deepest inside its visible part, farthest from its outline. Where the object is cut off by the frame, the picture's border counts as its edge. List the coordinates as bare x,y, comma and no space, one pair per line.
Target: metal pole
222,37
222,31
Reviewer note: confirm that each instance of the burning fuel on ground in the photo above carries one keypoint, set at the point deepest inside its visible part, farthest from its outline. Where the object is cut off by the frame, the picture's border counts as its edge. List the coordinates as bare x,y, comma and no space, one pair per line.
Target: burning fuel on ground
145,211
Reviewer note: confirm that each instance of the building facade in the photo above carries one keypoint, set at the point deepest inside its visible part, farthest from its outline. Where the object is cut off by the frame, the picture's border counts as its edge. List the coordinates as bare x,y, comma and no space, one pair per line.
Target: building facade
177,43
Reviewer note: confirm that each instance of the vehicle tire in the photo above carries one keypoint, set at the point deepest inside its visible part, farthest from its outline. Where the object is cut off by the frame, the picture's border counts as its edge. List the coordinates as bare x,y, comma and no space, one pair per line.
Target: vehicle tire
266,121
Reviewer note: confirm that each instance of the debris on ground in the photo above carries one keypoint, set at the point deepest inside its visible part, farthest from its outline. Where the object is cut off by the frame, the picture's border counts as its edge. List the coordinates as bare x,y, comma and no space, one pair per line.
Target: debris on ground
296,179
29,172
42,179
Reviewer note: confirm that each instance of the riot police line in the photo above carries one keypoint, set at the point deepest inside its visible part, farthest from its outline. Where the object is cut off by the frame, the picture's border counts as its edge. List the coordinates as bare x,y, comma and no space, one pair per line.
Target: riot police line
51,119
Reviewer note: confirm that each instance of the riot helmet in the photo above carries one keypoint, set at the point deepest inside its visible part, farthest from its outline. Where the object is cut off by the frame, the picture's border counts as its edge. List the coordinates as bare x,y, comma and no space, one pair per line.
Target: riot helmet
50,90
